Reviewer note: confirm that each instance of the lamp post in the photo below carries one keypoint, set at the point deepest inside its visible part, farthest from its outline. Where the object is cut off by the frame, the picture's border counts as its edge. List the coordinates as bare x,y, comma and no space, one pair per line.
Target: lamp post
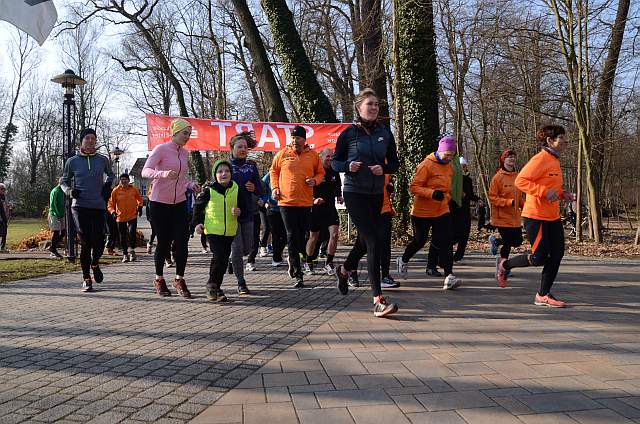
69,80
117,152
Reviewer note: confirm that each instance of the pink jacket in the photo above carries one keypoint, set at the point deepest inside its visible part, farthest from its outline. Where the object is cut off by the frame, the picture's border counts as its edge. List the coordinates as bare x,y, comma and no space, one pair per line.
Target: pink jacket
164,158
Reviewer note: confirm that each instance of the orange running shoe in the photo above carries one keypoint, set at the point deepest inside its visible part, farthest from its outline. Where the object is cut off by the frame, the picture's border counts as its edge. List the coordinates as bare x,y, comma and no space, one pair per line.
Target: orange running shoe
549,300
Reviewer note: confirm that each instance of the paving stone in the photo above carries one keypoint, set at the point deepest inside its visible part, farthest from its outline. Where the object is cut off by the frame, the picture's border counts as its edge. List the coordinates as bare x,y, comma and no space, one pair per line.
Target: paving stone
285,379
341,398
324,416
378,414
556,418
216,414
55,413
488,416
558,402
439,417
448,401
282,413
304,401
151,412
598,417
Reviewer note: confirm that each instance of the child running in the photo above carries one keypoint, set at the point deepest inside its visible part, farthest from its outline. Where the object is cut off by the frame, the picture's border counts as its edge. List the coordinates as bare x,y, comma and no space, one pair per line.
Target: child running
506,204
431,187
541,181
216,214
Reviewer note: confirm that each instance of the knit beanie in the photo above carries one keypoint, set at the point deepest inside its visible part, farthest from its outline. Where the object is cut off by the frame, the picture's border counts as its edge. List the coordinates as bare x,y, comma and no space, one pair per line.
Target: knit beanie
178,125
217,164
86,132
447,144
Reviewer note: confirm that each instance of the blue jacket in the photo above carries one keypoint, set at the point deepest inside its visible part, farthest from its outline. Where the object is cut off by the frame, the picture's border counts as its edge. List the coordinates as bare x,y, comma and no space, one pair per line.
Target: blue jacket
267,197
86,174
371,147
244,171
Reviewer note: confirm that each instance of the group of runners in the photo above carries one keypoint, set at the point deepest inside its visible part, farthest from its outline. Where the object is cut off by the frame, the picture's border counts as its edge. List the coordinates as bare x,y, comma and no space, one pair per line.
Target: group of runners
296,201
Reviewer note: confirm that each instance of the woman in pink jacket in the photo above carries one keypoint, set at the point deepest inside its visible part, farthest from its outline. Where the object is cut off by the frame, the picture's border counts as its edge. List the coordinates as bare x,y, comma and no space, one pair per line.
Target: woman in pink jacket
167,167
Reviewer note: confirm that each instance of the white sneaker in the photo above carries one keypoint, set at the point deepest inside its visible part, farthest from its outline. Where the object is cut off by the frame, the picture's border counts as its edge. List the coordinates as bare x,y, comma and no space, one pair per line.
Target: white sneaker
132,255
330,269
451,282
403,268
205,251
263,252
250,266
149,247
276,264
307,269
125,258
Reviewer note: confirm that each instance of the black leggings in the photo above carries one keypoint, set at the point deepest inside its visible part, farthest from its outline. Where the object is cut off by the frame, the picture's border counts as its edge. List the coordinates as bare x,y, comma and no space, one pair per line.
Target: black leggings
266,227
90,227
221,248
256,240
509,237
385,247
364,210
547,248
296,223
172,226
127,232
461,226
440,240
278,235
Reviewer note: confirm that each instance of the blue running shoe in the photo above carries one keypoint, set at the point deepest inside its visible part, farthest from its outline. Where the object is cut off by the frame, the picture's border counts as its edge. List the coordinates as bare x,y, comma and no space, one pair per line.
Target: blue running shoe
494,245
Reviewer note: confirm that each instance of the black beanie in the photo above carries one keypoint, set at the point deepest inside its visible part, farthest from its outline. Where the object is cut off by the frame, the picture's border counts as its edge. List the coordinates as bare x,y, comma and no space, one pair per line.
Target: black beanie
299,131
125,175
87,131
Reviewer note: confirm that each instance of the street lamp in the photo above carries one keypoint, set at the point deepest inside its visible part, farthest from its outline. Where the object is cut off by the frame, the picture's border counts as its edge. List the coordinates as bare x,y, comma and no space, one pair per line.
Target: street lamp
69,80
117,152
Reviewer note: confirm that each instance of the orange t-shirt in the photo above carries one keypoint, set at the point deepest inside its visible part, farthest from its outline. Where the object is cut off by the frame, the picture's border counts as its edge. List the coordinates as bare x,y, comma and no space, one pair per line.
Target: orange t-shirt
289,171
540,174
430,176
125,202
506,200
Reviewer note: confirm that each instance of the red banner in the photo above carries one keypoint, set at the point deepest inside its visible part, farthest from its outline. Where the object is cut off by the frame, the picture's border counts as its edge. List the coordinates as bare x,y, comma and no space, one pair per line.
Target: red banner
211,134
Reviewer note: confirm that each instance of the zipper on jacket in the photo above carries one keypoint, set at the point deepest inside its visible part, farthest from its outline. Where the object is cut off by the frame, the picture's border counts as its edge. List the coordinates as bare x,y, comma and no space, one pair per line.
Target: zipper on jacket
89,165
224,209
175,190
373,181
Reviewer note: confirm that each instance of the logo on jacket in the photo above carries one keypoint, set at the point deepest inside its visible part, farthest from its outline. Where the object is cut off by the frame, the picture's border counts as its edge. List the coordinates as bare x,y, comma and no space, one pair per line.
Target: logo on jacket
380,139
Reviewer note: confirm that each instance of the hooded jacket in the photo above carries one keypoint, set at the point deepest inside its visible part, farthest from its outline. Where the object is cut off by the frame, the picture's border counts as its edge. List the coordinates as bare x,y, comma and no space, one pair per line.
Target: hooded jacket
540,174
374,146
85,173
506,200
431,175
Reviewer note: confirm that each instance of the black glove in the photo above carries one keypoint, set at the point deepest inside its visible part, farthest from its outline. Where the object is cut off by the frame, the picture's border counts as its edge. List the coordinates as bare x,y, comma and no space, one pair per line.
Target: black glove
513,203
437,195
139,210
75,193
114,216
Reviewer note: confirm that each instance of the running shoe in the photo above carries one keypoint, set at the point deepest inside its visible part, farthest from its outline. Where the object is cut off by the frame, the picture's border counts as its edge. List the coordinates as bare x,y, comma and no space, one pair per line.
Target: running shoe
98,276
403,268
431,272
548,300
55,254
269,249
205,251
307,268
132,255
87,285
161,287
230,268
382,308
389,283
501,273
125,258
451,282
169,263
149,247
242,287
216,295
353,279
299,284
330,268
276,263
263,252
181,287
493,249
250,266
342,280
291,271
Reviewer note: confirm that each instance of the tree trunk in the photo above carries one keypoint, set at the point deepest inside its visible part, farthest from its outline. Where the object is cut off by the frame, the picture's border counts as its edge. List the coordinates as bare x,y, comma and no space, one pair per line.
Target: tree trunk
310,102
418,93
374,56
273,105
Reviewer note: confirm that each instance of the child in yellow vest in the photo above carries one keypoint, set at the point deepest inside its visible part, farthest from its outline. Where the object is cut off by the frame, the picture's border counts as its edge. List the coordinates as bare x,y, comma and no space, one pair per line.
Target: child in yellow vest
216,215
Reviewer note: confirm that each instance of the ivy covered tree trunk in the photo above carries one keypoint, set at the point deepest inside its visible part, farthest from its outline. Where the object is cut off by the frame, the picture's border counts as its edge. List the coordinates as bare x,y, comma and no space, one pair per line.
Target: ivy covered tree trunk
310,102
417,92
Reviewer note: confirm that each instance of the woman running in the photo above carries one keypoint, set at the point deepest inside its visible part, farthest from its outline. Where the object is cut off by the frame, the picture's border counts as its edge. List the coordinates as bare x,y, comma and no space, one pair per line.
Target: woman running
365,152
541,181
167,166
506,204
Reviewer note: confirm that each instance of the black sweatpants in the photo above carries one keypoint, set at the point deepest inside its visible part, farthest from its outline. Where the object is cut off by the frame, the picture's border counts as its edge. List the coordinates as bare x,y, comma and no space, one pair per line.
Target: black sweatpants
364,210
278,235
509,237
90,227
56,238
266,227
547,248
127,231
256,239
172,226
112,227
296,223
440,240
461,223
221,248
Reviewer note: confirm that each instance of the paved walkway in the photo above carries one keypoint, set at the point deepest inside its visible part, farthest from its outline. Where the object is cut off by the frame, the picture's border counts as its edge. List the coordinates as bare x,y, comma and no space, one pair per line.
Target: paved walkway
480,354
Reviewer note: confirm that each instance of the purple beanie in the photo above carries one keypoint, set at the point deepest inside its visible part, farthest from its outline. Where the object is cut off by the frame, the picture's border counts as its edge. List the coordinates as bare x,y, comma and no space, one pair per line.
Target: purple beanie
447,143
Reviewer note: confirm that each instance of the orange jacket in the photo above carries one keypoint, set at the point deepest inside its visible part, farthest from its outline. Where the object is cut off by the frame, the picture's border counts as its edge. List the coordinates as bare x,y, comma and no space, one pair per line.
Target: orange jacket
540,174
125,202
431,175
289,171
506,200
386,200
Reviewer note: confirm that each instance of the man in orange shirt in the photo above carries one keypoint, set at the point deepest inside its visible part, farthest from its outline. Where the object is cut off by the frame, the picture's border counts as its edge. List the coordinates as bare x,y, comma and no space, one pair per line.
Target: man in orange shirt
431,187
541,181
295,170
124,205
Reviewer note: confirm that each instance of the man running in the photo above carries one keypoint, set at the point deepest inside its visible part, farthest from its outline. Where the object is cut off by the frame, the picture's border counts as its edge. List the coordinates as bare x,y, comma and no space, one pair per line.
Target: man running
83,180
125,204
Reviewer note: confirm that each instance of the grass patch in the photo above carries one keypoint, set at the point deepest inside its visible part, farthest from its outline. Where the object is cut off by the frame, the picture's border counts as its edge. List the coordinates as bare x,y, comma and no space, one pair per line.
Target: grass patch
21,269
21,228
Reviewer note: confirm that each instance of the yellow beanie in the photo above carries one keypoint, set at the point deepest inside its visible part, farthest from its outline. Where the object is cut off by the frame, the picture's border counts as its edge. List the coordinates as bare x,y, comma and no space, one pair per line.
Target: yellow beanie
178,125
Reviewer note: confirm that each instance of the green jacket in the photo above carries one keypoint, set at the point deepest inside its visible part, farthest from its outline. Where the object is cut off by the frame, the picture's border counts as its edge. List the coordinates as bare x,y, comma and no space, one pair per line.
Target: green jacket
56,202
